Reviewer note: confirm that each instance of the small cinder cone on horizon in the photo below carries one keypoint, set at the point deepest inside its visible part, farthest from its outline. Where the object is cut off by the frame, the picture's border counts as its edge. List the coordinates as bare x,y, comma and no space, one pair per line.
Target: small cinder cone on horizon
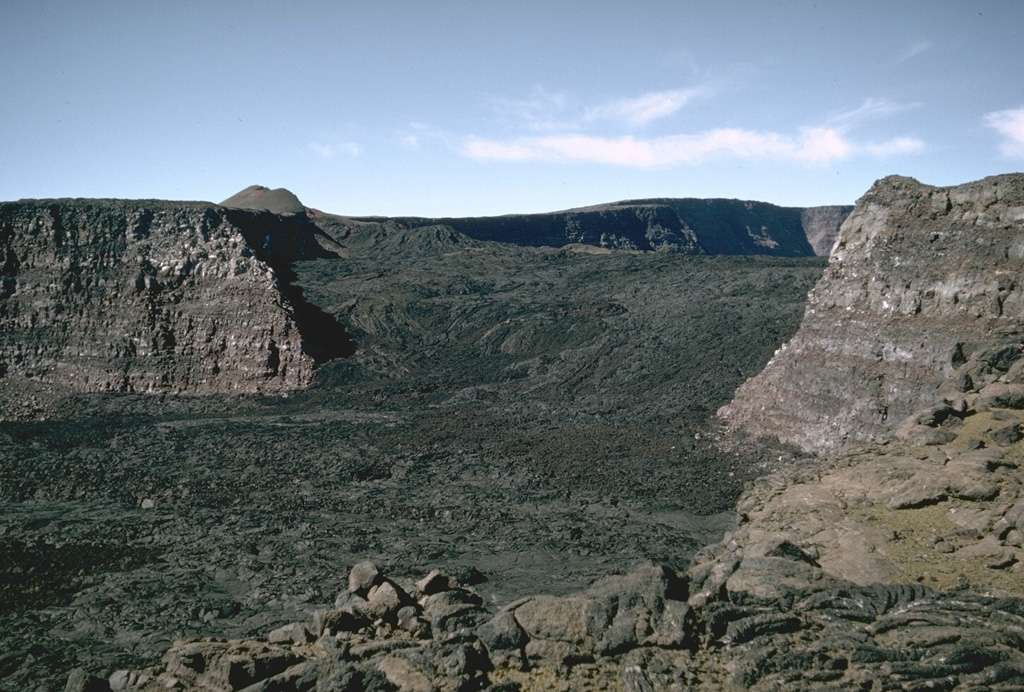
279,201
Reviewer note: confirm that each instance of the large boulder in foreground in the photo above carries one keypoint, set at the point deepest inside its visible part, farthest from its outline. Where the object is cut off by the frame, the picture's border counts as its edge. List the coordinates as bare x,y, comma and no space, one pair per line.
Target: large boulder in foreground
919,279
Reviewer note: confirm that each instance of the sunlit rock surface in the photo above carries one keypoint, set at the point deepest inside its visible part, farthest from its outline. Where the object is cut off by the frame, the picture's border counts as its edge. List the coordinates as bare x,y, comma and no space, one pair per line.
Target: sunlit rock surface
919,279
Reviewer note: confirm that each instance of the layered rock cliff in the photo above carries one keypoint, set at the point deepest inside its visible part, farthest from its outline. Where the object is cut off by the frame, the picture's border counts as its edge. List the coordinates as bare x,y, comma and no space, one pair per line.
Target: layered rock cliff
147,296
922,293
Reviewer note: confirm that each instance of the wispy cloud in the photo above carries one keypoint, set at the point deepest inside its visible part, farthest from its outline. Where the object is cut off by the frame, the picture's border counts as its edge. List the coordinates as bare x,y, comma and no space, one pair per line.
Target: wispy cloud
641,110
913,50
871,108
811,145
546,111
541,110
894,147
588,139
1010,124
329,151
418,135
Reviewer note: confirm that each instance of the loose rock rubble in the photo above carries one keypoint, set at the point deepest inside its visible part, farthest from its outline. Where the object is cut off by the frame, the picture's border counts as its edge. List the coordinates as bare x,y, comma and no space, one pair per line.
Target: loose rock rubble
792,600
433,634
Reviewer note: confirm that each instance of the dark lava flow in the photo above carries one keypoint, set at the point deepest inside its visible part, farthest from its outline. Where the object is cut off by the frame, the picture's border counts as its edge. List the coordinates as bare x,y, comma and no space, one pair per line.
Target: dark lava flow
529,419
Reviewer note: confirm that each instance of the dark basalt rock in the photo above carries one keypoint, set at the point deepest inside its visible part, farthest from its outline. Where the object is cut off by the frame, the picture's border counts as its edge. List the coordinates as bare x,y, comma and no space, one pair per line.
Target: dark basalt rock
843,637
683,226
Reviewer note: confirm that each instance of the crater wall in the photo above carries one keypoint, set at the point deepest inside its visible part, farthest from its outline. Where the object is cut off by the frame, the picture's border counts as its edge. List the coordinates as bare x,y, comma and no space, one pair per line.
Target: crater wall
683,226
148,296
919,278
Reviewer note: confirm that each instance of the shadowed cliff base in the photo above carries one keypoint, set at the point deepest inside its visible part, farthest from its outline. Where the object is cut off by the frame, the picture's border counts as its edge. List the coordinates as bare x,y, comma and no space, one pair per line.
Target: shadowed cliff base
280,241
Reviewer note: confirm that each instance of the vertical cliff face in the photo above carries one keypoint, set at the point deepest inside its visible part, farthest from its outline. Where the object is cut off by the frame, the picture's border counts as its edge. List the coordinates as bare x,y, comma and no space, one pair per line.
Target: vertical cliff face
822,224
919,278
145,296
687,226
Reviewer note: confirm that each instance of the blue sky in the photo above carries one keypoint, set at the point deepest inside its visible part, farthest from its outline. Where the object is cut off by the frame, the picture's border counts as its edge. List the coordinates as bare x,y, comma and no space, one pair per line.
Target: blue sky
483,107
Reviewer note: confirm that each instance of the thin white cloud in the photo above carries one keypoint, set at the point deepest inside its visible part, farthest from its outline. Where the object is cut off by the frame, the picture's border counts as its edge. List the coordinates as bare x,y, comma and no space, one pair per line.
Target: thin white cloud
1010,124
894,147
419,134
329,151
913,50
546,111
811,145
641,110
542,110
871,108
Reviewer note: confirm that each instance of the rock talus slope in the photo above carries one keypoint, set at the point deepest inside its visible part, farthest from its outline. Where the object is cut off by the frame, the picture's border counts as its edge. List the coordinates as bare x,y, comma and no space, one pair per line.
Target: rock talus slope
919,279
138,296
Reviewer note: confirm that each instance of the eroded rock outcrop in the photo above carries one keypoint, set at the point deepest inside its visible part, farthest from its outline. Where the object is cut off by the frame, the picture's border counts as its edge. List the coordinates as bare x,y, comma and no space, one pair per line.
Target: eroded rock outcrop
147,296
920,279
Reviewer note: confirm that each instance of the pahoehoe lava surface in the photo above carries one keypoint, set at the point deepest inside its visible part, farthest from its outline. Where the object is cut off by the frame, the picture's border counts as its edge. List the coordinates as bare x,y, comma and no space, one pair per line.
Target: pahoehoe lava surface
540,415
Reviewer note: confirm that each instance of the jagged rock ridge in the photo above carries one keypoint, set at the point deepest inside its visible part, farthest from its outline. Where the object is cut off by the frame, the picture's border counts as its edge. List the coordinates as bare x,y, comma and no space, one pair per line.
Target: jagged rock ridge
920,279
148,296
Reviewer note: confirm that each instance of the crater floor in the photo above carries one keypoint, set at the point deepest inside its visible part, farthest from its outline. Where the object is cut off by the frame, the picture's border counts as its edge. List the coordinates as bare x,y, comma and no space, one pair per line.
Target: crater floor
528,420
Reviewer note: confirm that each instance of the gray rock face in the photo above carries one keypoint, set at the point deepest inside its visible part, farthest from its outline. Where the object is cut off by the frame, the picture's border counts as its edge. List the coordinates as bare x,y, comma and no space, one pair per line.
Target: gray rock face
822,224
919,279
145,296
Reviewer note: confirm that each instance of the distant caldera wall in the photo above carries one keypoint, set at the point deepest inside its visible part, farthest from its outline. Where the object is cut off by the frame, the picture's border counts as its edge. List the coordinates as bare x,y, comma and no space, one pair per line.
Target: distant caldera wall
686,226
